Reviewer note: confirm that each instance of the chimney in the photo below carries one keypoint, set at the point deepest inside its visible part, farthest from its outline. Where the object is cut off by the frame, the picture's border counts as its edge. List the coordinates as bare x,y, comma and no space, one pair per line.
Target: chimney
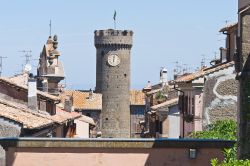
90,94
68,104
163,76
32,93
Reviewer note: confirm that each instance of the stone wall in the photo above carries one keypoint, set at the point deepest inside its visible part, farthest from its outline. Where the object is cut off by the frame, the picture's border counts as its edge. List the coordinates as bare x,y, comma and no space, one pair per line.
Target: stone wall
7,129
113,81
95,115
136,115
244,85
220,96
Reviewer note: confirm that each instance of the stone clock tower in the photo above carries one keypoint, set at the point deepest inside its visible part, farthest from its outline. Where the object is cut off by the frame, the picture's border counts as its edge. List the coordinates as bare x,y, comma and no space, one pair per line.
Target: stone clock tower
113,80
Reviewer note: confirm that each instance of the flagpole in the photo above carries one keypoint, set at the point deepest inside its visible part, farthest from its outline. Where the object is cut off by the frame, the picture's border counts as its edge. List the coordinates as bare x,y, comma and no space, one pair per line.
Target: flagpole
114,17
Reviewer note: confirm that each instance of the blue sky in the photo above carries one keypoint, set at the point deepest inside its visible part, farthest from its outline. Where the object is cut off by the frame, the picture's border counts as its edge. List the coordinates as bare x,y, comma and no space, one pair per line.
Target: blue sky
164,32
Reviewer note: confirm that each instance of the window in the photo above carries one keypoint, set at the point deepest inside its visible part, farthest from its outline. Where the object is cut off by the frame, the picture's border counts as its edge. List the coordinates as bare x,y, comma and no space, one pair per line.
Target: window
192,111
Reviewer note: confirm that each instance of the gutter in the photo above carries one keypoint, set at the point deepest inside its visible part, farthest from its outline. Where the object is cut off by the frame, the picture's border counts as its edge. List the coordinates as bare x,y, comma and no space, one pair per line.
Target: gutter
183,122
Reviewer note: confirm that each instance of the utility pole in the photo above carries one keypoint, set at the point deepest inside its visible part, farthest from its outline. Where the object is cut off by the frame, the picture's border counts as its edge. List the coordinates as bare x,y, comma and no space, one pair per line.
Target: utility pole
1,64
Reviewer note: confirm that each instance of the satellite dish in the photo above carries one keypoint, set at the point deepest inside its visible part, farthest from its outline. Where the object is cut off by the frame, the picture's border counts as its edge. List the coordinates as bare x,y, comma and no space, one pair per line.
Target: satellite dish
27,67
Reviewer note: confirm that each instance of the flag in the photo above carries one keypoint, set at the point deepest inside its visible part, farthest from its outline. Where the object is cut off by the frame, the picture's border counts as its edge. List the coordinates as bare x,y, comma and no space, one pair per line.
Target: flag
114,17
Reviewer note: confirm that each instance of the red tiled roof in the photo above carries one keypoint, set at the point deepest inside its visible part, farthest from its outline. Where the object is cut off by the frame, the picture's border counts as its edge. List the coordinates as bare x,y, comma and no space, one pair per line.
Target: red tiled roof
137,97
82,100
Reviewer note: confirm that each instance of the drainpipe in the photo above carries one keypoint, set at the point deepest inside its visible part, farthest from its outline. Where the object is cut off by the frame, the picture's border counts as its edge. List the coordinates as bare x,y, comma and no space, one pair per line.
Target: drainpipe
183,122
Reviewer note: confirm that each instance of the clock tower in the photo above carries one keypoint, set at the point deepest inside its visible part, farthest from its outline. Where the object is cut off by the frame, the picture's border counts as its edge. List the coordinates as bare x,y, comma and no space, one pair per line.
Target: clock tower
113,80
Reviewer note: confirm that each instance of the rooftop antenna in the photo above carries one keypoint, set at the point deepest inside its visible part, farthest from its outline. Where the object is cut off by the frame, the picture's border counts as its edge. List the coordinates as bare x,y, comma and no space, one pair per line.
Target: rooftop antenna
203,61
27,55
185,68
1,64
227,21
178,68
50,28
215,54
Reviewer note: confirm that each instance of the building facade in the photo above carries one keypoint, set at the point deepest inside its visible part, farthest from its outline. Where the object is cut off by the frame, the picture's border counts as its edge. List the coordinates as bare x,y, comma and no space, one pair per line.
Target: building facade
242,67
113,80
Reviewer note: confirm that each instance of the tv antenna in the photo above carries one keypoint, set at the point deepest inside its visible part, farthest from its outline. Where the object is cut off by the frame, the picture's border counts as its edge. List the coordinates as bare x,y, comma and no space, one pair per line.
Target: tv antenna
27,55
1,64
227,21
203,61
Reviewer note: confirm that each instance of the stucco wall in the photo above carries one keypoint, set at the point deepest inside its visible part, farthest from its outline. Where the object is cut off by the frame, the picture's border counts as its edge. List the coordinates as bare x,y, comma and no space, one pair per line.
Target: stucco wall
220,96
111,157
174,122
82,129
36,152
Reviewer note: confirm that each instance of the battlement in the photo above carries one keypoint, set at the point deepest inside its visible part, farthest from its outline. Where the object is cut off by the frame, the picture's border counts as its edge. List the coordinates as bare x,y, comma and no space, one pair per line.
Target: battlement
113,32
120,38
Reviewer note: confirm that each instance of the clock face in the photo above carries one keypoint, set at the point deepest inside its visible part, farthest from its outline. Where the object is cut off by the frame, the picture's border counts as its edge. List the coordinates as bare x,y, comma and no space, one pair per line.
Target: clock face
113,60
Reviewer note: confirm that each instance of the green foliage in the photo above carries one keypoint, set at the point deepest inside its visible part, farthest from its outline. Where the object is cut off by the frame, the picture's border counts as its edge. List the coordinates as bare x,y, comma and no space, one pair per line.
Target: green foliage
215,162
160,96
225,129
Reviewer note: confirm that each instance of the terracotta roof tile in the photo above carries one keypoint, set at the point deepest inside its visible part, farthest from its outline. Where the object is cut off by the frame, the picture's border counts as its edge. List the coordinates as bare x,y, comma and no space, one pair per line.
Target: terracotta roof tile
11,81
62,116
167,103
15,83
137,97
28,118
201,73
82,100
20,79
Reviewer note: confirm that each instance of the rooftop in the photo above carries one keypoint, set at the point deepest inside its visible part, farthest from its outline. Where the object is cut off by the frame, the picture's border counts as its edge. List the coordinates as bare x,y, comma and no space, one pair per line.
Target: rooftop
137,97
167,103
228,27
17,82
21,114
83,100
203,72
62,116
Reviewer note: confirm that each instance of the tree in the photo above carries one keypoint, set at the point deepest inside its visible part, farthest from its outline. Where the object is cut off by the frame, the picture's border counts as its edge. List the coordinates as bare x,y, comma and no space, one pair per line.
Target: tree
225,129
